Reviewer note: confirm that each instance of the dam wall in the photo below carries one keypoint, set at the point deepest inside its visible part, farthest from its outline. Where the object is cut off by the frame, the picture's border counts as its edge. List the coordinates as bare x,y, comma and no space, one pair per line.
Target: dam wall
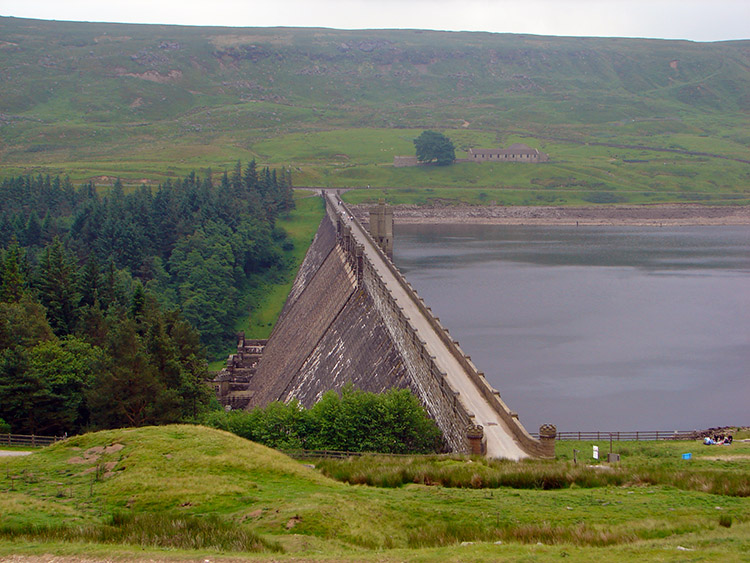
328,334
343,323
426,380
432,377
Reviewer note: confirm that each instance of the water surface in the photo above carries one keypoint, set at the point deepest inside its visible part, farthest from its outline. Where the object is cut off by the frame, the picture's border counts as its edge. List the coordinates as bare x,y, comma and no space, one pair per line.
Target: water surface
596,328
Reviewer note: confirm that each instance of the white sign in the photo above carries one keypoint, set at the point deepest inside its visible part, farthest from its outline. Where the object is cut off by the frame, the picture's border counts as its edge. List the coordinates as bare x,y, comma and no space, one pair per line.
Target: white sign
596,452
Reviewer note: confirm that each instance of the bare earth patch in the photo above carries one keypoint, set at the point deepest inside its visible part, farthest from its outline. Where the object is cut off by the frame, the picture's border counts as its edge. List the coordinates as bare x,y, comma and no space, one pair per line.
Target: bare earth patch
293,521
255,513
108,467
92,455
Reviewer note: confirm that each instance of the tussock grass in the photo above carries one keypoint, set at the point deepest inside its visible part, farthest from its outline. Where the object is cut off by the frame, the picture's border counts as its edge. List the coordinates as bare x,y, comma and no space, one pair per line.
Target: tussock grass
205,491
470,473
479,473
152,530
715,482
581,534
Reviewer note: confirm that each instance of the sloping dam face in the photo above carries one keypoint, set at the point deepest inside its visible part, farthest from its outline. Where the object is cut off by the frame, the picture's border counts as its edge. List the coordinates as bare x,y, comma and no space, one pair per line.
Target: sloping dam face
345,321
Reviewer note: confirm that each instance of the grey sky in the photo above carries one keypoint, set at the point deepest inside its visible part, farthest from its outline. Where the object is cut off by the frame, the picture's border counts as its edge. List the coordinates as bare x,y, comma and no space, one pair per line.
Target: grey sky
698,20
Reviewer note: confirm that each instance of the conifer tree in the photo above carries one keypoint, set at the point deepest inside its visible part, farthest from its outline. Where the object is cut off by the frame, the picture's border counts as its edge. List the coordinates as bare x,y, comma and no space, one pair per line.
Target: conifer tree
250,179
33,233
236,179
57,288
124,394
14,276
90,281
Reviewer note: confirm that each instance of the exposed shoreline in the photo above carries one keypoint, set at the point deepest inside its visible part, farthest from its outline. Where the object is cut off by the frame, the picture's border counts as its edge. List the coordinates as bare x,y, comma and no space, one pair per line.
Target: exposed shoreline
616,215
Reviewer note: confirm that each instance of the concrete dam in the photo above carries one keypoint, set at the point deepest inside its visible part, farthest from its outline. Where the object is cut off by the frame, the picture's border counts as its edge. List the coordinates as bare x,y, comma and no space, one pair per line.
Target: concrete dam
351,317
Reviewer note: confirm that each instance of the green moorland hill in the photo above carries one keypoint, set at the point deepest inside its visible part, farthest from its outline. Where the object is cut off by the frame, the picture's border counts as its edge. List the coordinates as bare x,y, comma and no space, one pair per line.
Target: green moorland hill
623,119
192,493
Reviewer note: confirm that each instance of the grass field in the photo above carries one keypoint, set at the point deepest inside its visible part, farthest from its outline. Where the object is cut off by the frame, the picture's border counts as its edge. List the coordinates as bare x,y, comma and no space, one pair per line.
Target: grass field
578,173
147,103
113,494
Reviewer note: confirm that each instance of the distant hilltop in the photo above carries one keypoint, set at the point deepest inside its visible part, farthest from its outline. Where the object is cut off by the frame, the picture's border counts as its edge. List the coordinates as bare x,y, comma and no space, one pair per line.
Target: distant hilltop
517,152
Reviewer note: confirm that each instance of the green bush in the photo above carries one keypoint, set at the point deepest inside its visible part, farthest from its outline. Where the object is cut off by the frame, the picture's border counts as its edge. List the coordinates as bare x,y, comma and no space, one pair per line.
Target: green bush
355,421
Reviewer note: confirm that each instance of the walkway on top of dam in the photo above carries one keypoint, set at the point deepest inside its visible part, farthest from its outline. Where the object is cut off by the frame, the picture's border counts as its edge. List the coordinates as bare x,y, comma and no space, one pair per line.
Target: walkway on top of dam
500,442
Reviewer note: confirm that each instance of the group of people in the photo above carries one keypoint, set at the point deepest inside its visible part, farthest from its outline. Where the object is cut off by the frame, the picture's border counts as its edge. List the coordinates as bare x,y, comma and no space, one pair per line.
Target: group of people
718,439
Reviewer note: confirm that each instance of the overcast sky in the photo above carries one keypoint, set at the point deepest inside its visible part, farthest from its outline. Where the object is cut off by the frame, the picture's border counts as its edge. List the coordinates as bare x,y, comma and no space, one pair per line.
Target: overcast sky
698,20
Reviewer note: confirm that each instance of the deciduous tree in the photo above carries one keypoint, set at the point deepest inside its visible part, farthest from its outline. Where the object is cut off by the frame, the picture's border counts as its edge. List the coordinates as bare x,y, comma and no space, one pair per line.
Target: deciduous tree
433,147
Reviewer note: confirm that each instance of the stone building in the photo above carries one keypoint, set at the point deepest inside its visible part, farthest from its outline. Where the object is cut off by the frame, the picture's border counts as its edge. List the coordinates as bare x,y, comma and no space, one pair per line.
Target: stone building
517,152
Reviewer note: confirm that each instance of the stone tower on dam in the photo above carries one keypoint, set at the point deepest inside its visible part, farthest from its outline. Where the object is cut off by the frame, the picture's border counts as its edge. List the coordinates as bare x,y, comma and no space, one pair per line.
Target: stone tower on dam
351,317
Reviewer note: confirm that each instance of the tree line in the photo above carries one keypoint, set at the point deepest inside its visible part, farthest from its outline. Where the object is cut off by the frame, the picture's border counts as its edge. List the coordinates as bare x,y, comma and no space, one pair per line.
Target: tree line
109,302
129,365
194,244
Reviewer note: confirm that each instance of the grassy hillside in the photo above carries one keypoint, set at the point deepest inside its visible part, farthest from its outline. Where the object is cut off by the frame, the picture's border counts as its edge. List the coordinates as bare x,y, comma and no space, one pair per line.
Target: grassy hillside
180,492
105,100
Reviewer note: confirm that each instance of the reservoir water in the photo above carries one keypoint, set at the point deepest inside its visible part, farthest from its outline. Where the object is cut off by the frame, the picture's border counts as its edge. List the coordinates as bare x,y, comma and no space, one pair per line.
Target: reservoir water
595,328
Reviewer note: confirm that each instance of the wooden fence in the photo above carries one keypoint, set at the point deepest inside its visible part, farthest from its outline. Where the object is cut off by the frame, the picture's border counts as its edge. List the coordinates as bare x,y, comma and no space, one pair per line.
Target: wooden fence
311,454
636,436
28,440
41,441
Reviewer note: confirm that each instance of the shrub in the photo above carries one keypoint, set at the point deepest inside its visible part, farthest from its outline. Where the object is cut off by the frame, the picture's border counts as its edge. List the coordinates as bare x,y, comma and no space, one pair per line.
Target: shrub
355,421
